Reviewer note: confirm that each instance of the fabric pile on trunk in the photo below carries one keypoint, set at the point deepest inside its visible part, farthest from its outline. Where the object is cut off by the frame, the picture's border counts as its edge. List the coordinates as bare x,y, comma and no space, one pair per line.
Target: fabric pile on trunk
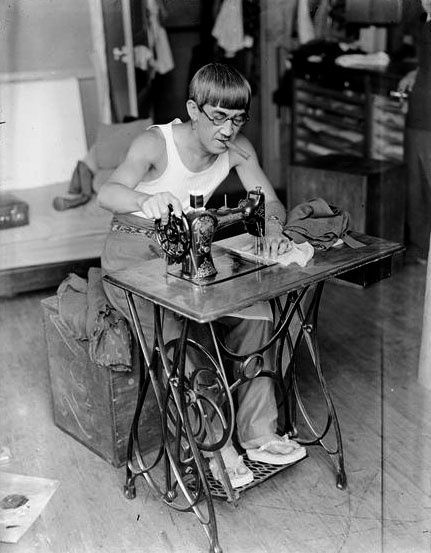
84,308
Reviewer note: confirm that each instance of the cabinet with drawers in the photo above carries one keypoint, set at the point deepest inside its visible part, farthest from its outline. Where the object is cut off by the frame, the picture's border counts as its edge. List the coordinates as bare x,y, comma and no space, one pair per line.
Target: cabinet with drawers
365,122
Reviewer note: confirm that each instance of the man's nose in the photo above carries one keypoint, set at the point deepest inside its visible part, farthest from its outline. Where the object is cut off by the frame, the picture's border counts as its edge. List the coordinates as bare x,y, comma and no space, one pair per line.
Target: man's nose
227,127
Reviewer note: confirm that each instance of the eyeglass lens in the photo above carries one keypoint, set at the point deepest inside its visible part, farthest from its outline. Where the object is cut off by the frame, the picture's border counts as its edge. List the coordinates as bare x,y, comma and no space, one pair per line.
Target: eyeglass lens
220,118
236,120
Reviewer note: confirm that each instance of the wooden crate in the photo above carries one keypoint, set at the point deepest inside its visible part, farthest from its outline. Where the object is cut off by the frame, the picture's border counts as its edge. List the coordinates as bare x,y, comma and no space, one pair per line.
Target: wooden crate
94,404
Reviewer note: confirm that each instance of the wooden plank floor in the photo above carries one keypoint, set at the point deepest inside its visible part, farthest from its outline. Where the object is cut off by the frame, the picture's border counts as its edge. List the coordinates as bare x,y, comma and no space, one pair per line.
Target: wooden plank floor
369,345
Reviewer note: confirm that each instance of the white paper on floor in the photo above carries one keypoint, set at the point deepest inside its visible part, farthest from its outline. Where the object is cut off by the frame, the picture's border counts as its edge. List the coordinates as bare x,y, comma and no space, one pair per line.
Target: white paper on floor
22,499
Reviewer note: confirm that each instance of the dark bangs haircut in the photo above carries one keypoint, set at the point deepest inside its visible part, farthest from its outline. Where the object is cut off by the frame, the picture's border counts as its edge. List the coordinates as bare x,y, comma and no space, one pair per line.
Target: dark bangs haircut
220,85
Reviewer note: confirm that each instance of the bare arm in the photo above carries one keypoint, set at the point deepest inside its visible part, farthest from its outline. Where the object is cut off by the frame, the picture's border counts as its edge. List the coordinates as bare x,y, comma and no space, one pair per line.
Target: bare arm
118,194
407,82
252,175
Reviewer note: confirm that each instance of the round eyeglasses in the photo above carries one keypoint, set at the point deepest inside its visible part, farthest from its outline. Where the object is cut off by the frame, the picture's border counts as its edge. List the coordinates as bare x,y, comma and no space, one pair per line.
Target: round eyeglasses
220,119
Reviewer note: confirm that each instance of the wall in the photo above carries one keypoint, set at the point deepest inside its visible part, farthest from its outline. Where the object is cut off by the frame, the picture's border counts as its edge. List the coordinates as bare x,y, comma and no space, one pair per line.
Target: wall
50,38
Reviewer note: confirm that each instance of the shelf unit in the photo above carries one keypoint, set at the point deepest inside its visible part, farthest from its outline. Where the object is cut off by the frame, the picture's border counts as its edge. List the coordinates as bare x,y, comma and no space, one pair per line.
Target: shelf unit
327,121
387,136
362,123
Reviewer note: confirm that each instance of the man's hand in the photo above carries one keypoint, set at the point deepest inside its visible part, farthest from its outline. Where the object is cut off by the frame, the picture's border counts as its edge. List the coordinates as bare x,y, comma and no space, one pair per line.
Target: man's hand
407,82
157,206
275,242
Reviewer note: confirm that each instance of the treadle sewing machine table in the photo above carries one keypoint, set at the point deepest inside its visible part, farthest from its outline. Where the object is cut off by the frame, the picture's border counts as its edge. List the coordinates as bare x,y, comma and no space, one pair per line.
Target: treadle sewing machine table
190,403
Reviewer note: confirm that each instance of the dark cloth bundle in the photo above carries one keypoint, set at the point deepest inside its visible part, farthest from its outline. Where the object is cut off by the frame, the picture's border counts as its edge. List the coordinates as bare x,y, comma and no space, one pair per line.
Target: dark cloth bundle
72,304
80,189
84,308
110,340
319,224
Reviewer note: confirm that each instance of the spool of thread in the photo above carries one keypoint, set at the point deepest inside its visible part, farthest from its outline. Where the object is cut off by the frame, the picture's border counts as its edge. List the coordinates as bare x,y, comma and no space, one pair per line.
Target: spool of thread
196,200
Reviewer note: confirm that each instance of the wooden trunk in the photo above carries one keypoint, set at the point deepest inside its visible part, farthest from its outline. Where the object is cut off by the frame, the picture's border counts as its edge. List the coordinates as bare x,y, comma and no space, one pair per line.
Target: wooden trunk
92,403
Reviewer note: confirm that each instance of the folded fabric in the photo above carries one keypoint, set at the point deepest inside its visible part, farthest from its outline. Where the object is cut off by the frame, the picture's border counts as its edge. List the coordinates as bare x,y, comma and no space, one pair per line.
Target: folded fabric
243,244
85,310
378,59
319,224
97,301
82,180
80,189
72,305
297,253
110,340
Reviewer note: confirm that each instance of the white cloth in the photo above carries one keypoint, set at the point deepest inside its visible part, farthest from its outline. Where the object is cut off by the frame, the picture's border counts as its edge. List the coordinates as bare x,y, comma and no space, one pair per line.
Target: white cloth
297,253
243,245
379,59
144,58
304,22
158,40
228,28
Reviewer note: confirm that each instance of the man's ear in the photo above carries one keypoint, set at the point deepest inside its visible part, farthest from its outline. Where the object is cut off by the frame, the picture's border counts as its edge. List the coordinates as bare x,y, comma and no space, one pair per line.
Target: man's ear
192,109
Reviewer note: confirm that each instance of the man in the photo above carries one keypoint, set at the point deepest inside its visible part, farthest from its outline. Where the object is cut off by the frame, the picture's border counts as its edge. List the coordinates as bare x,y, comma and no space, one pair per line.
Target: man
418,138
162,167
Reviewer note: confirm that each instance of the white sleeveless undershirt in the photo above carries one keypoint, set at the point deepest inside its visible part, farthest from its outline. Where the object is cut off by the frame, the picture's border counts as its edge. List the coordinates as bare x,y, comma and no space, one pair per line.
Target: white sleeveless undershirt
180,181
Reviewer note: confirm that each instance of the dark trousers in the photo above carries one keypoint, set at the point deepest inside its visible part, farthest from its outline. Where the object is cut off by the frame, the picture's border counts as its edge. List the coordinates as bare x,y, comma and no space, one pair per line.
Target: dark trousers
418,214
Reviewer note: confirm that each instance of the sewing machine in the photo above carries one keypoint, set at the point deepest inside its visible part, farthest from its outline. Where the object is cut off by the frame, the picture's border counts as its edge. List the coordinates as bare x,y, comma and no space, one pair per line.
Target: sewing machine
189,239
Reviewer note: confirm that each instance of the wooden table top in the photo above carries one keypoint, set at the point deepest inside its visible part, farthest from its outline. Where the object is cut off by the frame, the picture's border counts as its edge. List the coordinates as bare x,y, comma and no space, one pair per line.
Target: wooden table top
207,303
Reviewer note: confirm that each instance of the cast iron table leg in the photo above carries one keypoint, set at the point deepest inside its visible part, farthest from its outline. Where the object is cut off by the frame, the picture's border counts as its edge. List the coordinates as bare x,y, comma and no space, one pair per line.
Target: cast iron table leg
308,333
185,485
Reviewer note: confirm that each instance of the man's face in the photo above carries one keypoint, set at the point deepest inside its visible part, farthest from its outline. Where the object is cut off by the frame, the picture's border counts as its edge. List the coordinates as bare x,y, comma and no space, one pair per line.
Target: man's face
426,4
219,126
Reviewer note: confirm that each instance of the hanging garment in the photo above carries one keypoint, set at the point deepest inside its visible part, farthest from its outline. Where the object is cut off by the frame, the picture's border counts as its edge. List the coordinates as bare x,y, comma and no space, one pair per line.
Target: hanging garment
158,40
282,25
321,20
228,29
305,25
144,58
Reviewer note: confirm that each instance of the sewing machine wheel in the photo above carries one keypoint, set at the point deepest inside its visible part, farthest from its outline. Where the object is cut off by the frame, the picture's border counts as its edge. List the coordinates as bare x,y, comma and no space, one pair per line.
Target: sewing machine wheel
174,237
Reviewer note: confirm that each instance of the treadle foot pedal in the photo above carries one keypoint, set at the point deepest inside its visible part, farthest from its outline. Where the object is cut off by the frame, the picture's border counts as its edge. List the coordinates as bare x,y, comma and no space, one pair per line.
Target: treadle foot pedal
261,472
